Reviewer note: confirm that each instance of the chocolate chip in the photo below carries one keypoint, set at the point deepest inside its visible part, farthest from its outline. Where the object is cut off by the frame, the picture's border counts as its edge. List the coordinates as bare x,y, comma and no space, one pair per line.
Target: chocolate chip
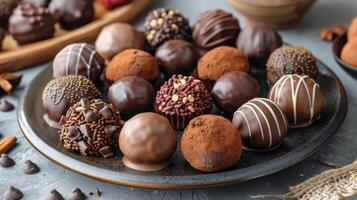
77,194
5,106
30,168
83,146
84,102
85,130
6,161
110,130
73,133
106,112
106,152
90,116
13,193
54,195
99,193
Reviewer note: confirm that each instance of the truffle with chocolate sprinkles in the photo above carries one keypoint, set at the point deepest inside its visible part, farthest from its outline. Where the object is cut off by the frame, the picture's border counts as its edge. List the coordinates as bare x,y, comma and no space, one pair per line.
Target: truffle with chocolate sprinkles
181,99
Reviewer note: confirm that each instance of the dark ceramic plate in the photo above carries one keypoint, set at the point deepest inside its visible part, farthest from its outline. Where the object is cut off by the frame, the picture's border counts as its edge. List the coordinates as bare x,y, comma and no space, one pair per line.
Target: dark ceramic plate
298,145
336,51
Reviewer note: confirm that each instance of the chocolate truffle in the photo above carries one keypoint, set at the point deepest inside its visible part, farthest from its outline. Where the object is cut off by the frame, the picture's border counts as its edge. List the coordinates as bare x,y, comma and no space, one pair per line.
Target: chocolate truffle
6,8
181,99
147,142
31,23
262,124
63,92
177,57
349,52
166,24
291,60
43,3
78,59
117,37
131,95
300,97
215,28
211,143
233,90
111,4
91,127
72,14
132,62
257,43
352,31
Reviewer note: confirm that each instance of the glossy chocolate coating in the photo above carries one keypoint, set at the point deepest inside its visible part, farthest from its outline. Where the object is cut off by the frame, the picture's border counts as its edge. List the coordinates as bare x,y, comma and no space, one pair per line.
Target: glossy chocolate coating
72,14
177,57
147,142
6,8
131,95
43,3
233,90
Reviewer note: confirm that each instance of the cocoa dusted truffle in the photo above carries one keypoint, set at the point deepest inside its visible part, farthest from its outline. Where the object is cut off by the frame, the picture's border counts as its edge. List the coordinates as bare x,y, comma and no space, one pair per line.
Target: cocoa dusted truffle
300,97
132,62
72,14
177,57
166,24
349,52
291,60
6,8
181,99
233,90
262,124
131,95
91,127
43,3
147,142
211,143
63,92
78,59
215,28
31,23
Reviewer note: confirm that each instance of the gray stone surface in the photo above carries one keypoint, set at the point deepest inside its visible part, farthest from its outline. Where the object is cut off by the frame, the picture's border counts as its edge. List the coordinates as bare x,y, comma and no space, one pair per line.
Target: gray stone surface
342,149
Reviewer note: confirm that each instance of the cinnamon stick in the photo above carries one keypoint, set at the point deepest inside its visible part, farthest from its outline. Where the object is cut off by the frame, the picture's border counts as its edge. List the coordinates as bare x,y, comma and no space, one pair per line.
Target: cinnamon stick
7,143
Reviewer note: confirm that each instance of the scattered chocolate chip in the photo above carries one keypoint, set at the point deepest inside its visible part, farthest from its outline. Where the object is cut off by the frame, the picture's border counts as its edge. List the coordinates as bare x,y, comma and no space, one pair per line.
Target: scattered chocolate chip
77,194
13,193
83,146
6,161
91,193
106,152
5,106
106,112
73,133
90,116
54,195
99,193
85,130
30,167
110,130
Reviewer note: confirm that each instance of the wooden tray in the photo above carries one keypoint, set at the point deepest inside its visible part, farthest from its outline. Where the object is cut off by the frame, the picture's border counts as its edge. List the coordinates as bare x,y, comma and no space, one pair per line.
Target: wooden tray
298,145
16,57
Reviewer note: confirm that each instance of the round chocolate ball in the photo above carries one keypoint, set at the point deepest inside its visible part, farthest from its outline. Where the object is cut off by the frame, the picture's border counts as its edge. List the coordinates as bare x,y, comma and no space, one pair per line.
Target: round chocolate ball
78,59
6,8
147,142
177,57
131,95
300,97
72,14
291,60
215,28
211,143
233,90
262,124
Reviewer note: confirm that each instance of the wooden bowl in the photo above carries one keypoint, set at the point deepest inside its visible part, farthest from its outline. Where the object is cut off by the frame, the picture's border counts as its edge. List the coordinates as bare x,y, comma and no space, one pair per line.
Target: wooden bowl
337,46
277,14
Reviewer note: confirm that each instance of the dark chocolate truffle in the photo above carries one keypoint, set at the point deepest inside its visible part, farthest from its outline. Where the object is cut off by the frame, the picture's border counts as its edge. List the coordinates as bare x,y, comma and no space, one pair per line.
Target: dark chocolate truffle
43,3
177,57
257,43
211,143
233,90
262,124
72,14
166,24
147,142
131,95
78,59
291,60
181,99
6,8
215,28
63,92
31,23
13,193
300,97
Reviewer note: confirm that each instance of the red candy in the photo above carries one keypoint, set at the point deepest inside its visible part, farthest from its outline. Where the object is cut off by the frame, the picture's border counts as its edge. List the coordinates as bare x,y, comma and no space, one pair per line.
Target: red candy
111,4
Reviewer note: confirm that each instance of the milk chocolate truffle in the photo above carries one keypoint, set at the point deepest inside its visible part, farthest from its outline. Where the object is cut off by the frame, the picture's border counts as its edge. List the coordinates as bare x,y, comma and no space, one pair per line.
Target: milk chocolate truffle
31,23
211,143
215,28
117,37
132,62
181,99
6,8
349,52
43,3
300,97
291,60
63,92
166,24
257,43
78,59
177,57
72,14
352,31
233,90
261,123
91,127
131,95
147,142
